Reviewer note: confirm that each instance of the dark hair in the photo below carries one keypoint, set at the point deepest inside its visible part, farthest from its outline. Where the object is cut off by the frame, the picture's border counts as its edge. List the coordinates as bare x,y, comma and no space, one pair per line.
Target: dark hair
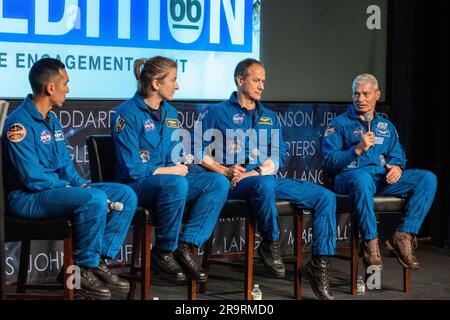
241,69
156,68
42,72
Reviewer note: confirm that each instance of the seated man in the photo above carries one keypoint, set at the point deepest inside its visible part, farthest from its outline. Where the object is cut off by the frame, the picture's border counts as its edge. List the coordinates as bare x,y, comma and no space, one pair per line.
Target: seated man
41,182
249,149
363,149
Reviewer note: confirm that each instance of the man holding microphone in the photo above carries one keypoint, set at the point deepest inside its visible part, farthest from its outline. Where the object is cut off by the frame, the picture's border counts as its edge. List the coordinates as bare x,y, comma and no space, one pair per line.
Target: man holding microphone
363,151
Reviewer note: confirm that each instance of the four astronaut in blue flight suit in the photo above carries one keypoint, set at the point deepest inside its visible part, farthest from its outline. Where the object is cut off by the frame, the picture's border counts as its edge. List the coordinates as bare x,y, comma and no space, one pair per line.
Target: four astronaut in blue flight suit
41,182
240,147
144,132
363,150
246,145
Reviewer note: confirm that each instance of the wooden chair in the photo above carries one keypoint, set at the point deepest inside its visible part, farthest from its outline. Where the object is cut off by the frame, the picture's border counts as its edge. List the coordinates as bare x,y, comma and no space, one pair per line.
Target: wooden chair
101,160
241,209
24,231
382,205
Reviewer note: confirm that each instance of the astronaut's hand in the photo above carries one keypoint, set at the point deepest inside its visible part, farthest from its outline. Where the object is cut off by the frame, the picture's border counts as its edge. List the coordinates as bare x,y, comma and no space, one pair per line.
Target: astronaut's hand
241,177
367,141
394,173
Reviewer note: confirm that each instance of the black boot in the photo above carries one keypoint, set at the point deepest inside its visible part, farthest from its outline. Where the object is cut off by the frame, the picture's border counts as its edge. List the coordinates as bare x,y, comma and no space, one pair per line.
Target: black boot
166,266
316,271
91,286
184,257
270,253
112,281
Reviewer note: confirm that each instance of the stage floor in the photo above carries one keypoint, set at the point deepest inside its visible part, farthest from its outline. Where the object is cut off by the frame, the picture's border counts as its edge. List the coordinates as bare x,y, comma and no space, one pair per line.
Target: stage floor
431,281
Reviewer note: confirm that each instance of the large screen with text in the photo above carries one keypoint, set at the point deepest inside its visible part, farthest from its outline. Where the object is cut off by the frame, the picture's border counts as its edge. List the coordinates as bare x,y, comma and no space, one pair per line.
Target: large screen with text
98,40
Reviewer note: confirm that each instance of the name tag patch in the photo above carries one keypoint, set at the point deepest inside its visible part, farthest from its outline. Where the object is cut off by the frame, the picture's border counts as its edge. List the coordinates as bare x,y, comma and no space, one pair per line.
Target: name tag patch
59,135
379,140
267,121
172,123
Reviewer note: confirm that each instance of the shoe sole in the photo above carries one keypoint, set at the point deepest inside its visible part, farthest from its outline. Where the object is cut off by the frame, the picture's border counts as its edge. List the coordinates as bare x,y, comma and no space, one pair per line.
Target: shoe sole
311,281
117,289
400,260
166,276
201,280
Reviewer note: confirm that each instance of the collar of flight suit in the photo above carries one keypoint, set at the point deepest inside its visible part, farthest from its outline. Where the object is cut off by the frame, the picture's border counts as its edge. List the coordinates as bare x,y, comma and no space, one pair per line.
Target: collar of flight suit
139,100
31,108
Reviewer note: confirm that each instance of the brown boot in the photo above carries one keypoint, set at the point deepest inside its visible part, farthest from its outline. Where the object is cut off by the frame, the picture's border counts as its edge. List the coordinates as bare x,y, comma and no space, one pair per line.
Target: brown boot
372,256
403,244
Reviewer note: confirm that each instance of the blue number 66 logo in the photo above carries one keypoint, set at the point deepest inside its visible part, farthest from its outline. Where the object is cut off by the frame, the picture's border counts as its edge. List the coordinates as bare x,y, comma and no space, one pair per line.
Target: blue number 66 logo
185,19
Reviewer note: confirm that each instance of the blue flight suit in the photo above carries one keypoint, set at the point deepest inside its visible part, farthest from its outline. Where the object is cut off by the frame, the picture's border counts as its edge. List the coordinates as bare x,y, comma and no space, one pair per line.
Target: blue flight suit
42,182
143,142
262,191
362,176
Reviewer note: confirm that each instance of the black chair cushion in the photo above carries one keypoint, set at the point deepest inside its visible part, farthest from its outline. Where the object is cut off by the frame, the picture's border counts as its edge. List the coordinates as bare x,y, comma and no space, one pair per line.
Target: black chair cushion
142,217
235,208
240,208
382,204
285,208
17,229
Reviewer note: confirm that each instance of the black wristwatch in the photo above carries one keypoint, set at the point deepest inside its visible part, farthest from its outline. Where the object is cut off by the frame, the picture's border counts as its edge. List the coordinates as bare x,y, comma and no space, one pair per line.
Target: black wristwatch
258,169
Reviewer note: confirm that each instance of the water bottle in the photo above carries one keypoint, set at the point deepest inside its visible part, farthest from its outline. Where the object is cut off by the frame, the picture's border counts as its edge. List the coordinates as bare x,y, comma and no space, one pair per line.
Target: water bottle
256,292
360,286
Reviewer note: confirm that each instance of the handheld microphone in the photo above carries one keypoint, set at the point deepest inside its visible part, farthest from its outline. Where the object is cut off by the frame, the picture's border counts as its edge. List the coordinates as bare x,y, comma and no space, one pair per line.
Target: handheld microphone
368,118
116,205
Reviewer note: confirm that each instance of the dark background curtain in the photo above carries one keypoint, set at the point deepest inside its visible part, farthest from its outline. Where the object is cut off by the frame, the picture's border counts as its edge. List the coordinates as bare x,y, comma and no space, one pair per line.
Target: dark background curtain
419,92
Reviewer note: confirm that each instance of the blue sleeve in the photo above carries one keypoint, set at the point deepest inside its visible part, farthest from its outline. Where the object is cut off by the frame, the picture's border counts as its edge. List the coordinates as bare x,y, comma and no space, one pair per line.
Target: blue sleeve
69,172
23,157
396,155
126,148
278,147
334,157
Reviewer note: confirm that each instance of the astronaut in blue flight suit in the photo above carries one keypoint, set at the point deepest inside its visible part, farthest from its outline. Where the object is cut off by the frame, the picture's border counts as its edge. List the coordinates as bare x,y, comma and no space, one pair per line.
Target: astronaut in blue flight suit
363,150
243,141
42,182
144,131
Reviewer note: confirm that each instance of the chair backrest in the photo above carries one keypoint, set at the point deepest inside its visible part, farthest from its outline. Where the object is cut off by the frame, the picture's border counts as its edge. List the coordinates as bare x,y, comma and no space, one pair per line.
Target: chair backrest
101,158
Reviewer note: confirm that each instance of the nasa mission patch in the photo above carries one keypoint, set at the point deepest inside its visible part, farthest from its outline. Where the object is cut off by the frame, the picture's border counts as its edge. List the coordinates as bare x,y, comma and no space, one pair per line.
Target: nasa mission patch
16,133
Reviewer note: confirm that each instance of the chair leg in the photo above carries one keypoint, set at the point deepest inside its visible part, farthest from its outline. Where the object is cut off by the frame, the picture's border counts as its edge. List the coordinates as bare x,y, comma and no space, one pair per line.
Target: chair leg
23,266
298,251
406,280
249,250
205,262
192,284
134,261
354,239
145,261
68,261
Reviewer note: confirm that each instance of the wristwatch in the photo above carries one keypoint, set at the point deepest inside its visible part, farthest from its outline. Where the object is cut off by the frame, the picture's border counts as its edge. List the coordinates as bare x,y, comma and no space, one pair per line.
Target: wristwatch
258,169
